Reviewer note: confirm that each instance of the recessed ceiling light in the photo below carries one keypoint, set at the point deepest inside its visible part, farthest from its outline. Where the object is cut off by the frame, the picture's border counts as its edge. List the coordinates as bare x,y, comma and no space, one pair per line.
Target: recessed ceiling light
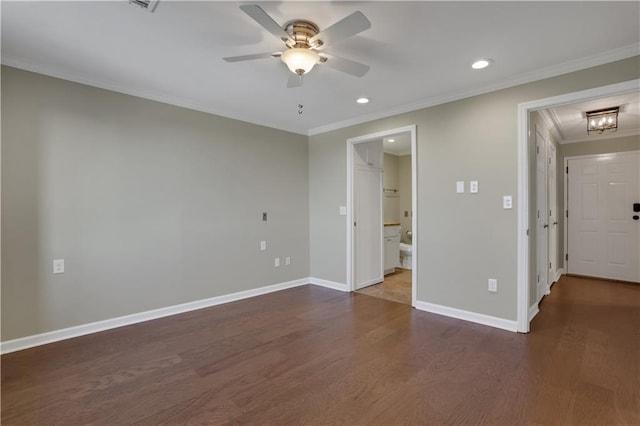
481,63
391,140
362,100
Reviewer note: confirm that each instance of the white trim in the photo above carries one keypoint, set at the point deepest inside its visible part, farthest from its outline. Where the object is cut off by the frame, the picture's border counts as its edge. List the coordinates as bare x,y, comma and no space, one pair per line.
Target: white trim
467,316
412,129
552,71
329,284
547,72
603,136
94,327
559,273
523,178
533,311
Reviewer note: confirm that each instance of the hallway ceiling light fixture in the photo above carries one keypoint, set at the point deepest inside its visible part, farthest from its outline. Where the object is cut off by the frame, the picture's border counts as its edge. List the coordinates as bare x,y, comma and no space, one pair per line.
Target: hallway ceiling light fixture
362,100
602,120
391,140
481,63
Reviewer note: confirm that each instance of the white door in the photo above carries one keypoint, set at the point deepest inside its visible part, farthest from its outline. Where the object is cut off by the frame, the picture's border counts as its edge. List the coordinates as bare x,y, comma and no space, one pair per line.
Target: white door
553,213
368,226
603,236
542,217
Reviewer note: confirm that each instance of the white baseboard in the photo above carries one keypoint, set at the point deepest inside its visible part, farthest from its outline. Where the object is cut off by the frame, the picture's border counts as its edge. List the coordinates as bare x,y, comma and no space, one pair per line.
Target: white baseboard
329,284
533,311
94,327
468,316
559,273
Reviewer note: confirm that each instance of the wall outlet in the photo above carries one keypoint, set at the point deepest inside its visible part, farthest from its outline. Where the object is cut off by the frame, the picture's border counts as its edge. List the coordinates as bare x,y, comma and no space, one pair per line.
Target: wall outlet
287,260
276,263
58,266
263,245
493,285
473,186
507,202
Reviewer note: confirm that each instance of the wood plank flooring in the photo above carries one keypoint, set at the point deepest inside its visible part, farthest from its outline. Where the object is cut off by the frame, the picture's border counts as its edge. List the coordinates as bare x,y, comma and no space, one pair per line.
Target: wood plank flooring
312,355
396,287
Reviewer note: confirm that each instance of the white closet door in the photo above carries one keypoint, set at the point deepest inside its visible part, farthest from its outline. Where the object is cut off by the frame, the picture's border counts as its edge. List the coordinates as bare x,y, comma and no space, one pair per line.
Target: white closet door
603,235
542,217
368,226
553,214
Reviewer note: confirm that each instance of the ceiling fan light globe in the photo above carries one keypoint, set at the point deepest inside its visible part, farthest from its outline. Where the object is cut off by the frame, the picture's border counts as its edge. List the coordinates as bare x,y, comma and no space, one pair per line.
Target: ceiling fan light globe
300,60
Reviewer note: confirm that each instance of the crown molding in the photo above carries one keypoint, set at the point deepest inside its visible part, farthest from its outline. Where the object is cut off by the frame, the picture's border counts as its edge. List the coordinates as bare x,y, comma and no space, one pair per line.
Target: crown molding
603,136
552,71
553,123
131,91
540,74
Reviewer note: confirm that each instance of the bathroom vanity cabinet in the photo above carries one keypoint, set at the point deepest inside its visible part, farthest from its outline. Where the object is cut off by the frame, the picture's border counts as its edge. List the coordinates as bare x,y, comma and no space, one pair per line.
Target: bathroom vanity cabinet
391,248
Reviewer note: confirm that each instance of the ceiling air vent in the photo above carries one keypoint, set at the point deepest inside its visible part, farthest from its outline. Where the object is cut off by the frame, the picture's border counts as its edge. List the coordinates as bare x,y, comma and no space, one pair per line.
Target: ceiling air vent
145,4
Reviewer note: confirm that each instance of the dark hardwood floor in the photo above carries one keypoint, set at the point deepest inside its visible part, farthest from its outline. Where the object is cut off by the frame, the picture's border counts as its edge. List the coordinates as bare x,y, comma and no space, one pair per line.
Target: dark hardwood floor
311,355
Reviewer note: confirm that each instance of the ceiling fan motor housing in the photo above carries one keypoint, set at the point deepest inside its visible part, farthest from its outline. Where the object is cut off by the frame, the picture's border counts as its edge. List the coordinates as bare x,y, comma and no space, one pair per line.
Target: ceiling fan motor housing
301,31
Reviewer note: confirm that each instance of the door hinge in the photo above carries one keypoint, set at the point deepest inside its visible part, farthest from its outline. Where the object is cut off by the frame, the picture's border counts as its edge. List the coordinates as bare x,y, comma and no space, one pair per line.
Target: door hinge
549,265
354,224
566,256
527,232
567,212
538,213
538,277
549,213
537,150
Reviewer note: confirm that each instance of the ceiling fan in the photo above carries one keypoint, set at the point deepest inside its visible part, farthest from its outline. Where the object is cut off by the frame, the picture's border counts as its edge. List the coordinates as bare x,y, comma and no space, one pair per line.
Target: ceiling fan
305,43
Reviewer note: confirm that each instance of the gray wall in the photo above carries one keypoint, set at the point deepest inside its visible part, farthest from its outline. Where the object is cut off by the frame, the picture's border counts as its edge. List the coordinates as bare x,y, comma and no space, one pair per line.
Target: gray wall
463,239
149,204
604,146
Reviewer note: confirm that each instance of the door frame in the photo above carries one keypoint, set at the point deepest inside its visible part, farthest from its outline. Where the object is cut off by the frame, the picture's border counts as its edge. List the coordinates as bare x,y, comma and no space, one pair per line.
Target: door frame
523,264
351,142
565,219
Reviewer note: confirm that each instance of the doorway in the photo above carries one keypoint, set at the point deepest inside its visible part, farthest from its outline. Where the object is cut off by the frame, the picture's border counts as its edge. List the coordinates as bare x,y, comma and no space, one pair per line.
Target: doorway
371,249
527,226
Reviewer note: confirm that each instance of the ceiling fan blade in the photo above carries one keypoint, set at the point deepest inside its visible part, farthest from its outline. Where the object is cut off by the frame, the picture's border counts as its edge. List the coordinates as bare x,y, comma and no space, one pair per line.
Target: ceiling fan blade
345,28
261,17
348,66
295,80
250,57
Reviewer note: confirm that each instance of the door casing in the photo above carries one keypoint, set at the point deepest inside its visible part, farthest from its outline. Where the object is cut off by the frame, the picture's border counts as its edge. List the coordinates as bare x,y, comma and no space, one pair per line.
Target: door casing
412,130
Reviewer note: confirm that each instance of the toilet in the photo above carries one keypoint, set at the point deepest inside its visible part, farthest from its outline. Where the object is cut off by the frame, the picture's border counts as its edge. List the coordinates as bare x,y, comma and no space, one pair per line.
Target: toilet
406,258
406,253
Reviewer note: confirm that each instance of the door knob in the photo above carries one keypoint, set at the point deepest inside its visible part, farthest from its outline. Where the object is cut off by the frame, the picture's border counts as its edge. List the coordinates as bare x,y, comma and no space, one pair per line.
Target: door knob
555,223
636,217
546,226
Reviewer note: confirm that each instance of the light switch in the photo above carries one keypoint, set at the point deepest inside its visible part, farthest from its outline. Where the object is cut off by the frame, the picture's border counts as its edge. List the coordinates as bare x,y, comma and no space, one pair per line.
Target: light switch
507,202
287,260
58,266
263,245
473,187
276,262
343,210
493,285
460,187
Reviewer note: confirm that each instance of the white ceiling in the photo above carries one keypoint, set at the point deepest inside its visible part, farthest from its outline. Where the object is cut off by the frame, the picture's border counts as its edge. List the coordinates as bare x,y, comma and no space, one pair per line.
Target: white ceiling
569,122
401,144
419,52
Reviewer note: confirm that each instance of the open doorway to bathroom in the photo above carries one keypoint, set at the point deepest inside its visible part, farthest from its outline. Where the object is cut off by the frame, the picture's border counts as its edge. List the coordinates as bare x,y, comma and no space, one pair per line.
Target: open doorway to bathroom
396,193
